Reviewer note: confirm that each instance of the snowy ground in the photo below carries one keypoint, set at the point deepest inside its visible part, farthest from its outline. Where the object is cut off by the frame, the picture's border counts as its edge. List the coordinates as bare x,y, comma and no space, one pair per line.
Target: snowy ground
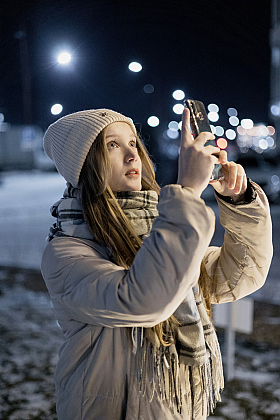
30,336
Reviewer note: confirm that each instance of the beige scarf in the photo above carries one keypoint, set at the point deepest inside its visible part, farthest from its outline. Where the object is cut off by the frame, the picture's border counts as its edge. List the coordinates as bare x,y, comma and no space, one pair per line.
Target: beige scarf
170,371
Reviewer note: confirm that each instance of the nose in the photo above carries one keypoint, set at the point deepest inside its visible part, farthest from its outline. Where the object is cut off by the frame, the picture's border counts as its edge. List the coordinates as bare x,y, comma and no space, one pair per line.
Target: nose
131,156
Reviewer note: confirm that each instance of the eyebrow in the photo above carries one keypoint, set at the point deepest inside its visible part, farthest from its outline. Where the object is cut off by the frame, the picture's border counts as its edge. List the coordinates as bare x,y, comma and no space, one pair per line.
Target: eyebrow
132,137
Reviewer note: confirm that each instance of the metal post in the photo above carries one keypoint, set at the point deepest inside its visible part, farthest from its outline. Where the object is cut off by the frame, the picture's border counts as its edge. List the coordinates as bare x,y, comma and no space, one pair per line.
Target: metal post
230,343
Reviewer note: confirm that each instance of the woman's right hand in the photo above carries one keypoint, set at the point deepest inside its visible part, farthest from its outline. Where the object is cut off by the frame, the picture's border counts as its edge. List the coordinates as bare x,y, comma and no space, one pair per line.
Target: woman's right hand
196,162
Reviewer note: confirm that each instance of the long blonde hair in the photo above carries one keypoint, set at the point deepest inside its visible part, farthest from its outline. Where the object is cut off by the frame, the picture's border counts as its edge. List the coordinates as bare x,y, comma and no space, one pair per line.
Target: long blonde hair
105,217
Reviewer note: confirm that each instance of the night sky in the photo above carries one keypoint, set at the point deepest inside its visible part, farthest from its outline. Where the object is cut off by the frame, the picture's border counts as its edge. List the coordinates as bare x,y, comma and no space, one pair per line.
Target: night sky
216,51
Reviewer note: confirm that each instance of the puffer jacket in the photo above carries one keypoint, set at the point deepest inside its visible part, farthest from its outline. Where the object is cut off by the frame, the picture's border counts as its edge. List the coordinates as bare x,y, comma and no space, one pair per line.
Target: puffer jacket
95,300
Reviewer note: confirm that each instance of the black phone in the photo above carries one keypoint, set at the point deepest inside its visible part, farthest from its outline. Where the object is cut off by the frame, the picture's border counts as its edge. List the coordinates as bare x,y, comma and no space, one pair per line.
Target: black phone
199,122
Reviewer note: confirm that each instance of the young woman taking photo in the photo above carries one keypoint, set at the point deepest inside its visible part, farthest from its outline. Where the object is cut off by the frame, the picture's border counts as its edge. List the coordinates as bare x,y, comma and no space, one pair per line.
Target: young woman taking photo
132,276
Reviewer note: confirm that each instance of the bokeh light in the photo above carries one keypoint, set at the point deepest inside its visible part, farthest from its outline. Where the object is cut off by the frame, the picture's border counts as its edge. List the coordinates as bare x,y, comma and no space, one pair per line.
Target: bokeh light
56,109
135,67
247,123
213,108
232,112
275,110
178,108
153,121
64,58
178,94
219,131
233,120
241,130
148,88
222,143
230,134
271,130
172,134
263,144
213,116
173,125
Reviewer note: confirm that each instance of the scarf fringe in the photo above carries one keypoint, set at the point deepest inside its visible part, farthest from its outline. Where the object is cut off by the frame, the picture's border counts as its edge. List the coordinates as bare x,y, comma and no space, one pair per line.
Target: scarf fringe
160,372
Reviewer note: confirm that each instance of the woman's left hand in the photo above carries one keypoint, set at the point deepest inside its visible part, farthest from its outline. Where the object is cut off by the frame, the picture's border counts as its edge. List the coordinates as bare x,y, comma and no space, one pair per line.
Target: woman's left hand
234,183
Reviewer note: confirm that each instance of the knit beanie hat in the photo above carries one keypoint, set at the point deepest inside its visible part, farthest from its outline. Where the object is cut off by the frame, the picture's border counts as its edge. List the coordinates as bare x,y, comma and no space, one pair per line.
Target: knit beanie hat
68,140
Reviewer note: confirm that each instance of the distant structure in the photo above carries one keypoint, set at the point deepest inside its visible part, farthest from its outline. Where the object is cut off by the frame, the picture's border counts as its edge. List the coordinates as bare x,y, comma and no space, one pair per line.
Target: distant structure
275,65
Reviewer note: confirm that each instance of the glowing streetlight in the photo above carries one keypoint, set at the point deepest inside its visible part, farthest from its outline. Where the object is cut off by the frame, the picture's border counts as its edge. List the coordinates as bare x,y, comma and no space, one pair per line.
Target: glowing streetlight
64,58
153,121
178,109
178,94
56,109
135,67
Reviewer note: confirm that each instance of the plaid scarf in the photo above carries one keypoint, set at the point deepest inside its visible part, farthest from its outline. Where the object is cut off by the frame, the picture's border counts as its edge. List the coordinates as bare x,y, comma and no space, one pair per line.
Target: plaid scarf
189,371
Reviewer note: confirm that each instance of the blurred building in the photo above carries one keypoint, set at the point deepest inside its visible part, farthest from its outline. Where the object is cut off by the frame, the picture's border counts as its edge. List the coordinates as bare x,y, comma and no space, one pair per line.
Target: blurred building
275,65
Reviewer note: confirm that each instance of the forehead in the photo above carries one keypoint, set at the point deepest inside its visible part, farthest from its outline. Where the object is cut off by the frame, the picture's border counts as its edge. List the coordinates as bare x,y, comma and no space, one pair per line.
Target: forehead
118,128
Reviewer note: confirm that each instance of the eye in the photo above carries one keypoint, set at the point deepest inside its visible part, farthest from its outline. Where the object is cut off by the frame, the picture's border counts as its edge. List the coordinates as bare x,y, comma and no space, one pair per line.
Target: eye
133,143
111,145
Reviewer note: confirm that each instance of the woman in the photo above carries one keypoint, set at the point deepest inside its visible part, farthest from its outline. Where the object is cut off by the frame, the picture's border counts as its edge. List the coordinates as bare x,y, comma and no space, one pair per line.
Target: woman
132,279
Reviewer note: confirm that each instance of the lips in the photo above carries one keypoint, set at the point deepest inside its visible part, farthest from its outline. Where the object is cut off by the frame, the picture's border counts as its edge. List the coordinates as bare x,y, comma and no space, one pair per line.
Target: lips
132,172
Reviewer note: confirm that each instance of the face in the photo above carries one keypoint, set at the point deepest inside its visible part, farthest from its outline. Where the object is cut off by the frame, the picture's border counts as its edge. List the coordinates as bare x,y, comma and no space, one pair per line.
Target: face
125,161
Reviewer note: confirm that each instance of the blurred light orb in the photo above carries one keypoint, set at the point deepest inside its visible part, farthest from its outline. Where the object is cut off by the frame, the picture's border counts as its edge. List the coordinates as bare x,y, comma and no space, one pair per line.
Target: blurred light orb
153,121
56,109
256,141
275,180
178,95
270,141
241,130
1,117
232,112
271,130
180,125
148,88
172,151
135,67
230,134
213,116
233,120
219,131
178,108
64,58
173,126
222,143
263,144
172,134
247,123
275,110
213,108
262,131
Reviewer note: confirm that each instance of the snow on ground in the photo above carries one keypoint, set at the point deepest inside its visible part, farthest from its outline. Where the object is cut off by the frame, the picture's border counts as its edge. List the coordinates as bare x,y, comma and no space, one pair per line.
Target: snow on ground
30,339
30,336
25,200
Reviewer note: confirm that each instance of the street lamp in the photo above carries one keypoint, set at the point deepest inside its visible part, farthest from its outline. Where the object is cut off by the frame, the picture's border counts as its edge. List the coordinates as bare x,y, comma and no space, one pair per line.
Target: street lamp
56,109
135,67
64,58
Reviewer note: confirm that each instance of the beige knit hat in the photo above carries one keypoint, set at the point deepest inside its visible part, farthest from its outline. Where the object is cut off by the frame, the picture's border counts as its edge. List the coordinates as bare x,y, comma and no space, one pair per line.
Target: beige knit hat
68,140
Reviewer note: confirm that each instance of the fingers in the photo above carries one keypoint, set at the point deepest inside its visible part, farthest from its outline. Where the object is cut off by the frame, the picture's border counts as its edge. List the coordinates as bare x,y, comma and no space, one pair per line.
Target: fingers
236,178
223,157
186,137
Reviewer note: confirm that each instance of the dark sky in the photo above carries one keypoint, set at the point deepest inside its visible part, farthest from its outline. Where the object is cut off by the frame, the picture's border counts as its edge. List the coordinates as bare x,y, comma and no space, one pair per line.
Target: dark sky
216,51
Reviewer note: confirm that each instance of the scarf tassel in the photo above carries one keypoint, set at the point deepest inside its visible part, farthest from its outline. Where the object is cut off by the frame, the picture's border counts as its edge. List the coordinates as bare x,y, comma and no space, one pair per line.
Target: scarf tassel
161,373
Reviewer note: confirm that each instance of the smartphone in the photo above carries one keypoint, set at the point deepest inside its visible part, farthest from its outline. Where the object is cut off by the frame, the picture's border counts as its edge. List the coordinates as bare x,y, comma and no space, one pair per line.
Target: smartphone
199,122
